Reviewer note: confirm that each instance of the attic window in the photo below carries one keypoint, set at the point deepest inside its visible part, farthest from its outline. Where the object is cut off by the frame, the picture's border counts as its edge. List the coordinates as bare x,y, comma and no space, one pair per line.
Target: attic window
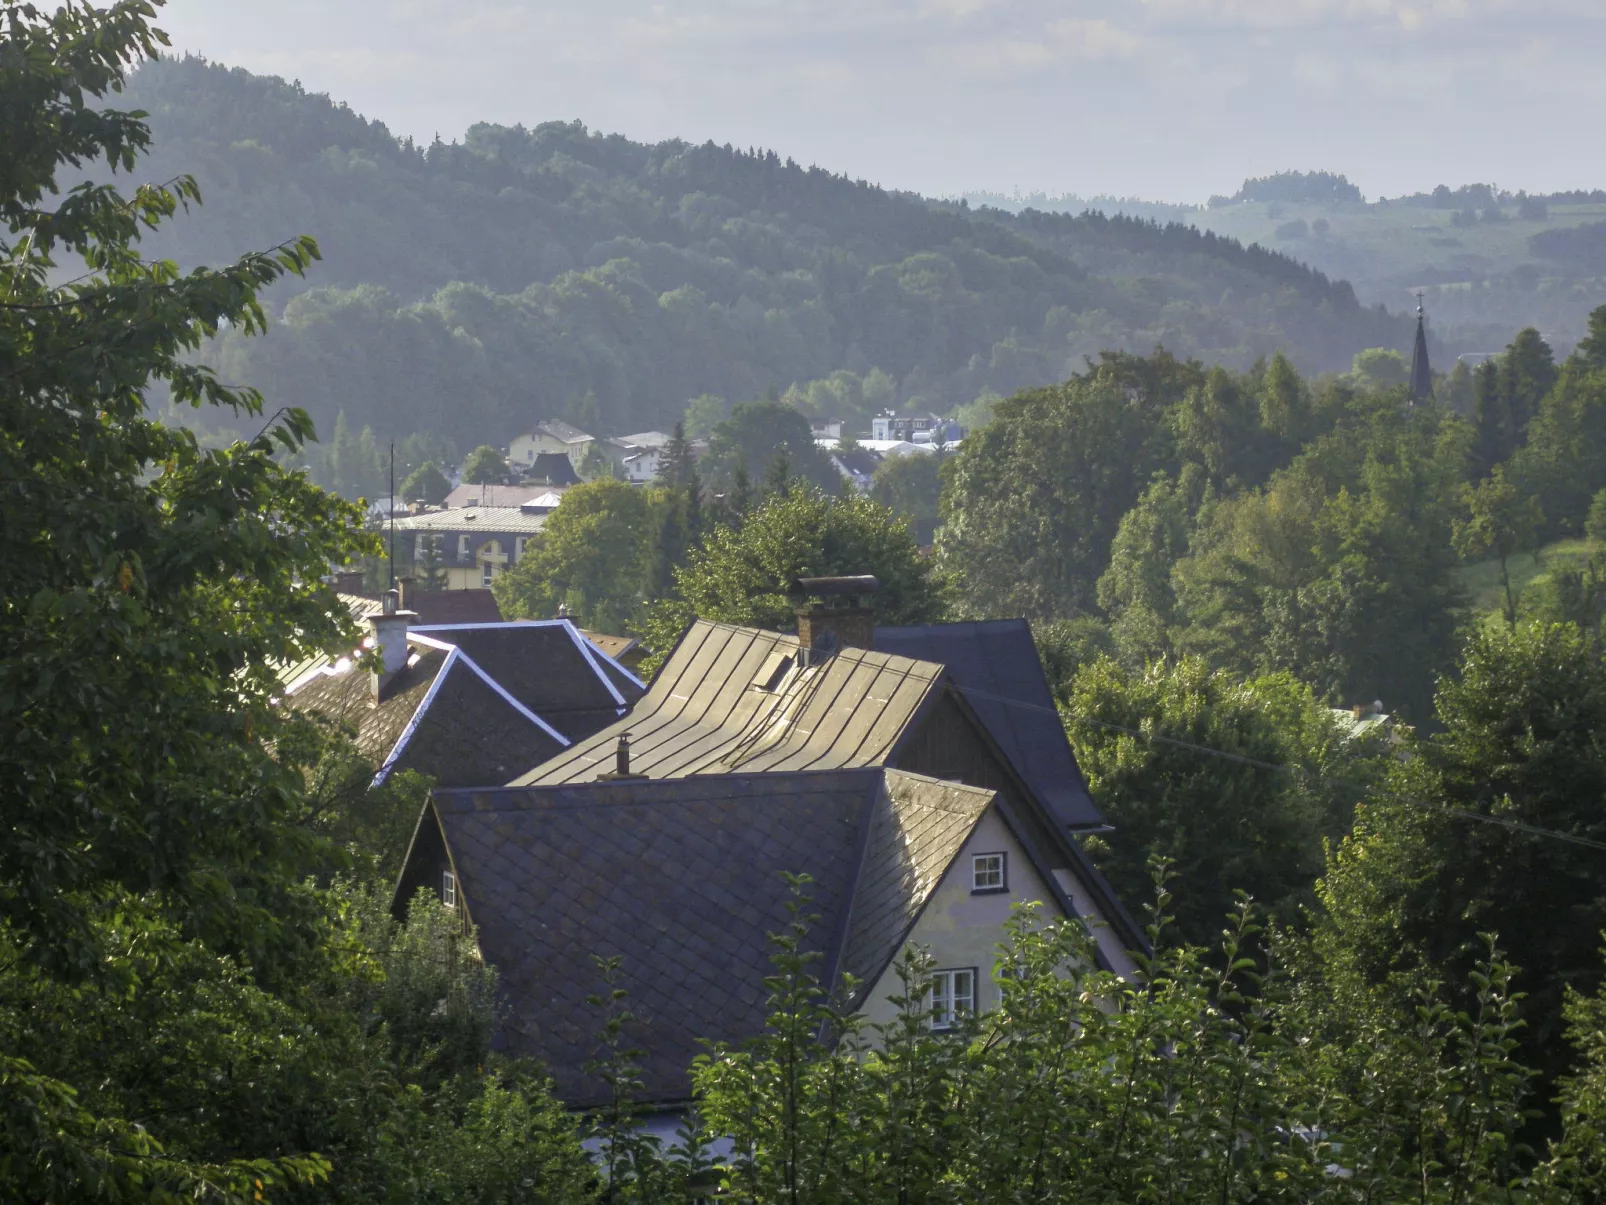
988,873
773,672
449,889
953,995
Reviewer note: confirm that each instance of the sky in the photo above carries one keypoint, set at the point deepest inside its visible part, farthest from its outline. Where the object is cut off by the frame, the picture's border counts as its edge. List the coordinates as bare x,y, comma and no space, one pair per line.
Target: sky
1169,100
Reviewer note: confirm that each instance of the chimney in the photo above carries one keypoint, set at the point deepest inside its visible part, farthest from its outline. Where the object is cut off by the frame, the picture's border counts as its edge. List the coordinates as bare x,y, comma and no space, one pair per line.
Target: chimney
390,642
406,593
349,581
841,620
621,762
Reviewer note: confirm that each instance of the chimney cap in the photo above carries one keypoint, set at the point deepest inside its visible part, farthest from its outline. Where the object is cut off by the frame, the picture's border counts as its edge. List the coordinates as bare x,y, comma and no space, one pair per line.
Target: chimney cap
863,583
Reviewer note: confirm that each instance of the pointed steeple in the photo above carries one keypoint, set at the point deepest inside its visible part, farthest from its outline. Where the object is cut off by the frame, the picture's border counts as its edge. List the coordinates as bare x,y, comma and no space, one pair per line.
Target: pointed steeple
1421,371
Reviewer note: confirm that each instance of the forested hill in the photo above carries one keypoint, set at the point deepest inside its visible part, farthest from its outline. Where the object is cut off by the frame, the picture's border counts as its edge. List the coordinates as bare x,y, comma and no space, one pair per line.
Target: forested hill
470,287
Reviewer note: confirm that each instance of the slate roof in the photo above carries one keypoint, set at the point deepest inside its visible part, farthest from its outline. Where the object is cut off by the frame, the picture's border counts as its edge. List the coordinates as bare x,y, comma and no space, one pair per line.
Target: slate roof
440,716
708,713
682,879
436,606
548,666
477,703
995,665
555,468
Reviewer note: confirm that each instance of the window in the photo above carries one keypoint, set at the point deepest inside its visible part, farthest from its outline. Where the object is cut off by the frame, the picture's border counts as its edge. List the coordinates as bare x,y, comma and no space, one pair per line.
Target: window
487,572
518,547
462,548
987,873
953,994
448,889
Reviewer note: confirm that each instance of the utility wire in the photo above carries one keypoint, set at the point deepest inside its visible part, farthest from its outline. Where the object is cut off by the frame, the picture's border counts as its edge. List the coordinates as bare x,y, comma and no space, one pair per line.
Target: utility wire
1457,813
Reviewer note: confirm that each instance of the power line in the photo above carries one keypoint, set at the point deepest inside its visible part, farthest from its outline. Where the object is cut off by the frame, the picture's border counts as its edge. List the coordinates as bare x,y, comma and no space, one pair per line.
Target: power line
1452,812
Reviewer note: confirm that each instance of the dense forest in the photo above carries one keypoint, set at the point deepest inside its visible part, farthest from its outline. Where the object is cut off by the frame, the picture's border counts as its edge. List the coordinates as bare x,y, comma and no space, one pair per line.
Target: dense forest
470,287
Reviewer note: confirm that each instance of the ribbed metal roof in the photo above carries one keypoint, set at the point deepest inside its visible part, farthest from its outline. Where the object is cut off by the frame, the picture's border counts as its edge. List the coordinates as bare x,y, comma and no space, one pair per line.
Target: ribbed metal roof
734,699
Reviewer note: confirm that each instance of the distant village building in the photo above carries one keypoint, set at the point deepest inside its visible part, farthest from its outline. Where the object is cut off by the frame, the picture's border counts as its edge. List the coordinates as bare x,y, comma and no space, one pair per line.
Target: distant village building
477,543
550,436
857,466
924,784
503,495
933,427
826,428
1421,370
639,457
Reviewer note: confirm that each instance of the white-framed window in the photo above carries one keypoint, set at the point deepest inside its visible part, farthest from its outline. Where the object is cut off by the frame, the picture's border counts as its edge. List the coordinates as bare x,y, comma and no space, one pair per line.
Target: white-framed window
448,888
418,547
952,996
989,872
487,572
462,548
518,547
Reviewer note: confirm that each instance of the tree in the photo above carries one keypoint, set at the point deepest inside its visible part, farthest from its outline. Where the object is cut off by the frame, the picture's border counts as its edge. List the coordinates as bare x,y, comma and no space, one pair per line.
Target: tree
1036,496
1591,350
755,433
486,466
1136,590
1499,521
703,413
910,486
426,483
1253,818
593,557
740,575
1381,368
1440,856
174,985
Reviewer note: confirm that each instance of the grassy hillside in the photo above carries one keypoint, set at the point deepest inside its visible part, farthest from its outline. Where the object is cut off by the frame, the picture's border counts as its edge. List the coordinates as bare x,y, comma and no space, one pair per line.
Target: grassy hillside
470,287
1529,573
1472,253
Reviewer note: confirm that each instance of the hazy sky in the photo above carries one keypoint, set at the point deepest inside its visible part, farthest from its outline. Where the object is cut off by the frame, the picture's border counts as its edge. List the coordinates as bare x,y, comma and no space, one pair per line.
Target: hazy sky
1165,99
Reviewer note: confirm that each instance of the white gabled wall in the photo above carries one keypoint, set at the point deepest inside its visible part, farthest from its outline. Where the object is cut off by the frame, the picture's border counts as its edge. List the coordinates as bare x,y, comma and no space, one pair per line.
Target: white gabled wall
962,929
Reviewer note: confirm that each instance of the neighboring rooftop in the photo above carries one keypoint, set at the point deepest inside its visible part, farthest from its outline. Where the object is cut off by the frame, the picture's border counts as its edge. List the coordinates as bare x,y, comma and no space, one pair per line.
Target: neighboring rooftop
737,699
476,704
682,880
507,519
995,665
561,431
504,495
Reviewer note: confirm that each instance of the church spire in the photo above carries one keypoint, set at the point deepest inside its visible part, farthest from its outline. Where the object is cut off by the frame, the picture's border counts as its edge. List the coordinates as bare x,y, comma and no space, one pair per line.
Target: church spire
1421,371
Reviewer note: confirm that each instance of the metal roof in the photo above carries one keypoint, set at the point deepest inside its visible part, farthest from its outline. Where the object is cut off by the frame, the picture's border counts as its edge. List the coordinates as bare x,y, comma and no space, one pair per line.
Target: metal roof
737,699
492,519
994,664
683,880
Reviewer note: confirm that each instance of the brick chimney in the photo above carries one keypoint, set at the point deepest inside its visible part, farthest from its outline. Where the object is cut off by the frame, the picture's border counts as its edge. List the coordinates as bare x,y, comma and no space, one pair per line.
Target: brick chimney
833,616
390,642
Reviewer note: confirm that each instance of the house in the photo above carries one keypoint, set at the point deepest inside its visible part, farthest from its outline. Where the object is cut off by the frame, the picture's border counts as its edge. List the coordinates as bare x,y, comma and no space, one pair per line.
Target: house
881,447
922,796
502,495
639,457
857,466
626,650
550,436
432,606
468,704
906,426
826,428
477,543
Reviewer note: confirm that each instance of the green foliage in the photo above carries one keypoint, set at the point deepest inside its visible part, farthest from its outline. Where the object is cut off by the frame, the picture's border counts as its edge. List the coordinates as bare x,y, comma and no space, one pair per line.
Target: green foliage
486,466
758,432
1381,367
740,574
1245,1076
910,486
1500,522
1136,590
426,483
1418,882
178,1016
593,557
1253,819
